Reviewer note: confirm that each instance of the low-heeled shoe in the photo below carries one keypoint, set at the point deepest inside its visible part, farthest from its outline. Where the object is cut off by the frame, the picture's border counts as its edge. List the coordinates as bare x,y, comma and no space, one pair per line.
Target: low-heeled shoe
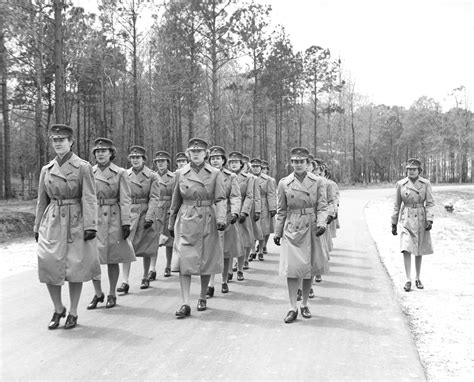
264,250
407,286
225,288
418,284
210,291
291,316
234,268
167,272
311,293
305,312
201,305
317,279
240,275
123,288
54,323
252,256
260,256
183,311
145,284
111,301
71,321
152,275
299,295
246,265
230,276
95,301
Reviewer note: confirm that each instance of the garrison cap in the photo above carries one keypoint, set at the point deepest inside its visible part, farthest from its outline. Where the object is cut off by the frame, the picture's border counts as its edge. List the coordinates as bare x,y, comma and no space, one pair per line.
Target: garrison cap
265,164
181,156
137,151
103,143
60,131
235,155
245,158
256,162
217,151
413,163
299,153
197,144
162,155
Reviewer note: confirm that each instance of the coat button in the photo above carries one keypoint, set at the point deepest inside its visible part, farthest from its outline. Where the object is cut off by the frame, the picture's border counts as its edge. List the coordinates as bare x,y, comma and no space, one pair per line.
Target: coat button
63,215
105,213
200,216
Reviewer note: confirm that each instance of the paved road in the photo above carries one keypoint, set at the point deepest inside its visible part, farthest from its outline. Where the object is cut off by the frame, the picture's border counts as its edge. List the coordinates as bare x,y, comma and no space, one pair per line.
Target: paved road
357,332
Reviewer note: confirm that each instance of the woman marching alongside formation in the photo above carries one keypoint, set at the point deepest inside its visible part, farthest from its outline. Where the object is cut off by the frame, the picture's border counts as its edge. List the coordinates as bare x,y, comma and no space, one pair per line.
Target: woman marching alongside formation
301,218
231,239
198,211
415,219
143,233
113,198
65,225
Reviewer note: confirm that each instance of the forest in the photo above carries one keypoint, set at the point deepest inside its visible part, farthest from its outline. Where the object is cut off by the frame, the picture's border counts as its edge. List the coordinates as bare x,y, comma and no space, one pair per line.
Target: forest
159,73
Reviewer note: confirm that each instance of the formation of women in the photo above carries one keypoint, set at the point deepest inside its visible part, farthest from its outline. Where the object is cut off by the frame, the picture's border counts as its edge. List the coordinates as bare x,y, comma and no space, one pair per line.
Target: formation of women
214,215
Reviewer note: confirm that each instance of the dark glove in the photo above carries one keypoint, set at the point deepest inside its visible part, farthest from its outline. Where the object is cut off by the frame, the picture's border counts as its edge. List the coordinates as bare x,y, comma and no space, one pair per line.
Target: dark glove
242,218
429,225
272,213
320,231
171,232
36,236
125,231
148,224
220,226
276,240
394,229
335,216
234,218
329,219
256,216
89,234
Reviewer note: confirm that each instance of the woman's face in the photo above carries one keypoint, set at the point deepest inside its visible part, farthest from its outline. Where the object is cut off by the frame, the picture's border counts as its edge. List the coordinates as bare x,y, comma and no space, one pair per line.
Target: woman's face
181,163
256,169
102,156
161,165
234,165
137,161
217,161
61,146
413,172
299,165
197,156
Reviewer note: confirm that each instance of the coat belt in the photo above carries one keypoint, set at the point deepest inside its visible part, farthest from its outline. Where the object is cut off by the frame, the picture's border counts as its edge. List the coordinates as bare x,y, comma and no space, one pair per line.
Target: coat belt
66,202
414,205
140,200
165,197
198,203
301,211
107,202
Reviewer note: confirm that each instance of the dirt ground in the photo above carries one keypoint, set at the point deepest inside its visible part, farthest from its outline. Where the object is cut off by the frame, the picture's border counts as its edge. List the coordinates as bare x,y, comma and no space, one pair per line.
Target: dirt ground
441,316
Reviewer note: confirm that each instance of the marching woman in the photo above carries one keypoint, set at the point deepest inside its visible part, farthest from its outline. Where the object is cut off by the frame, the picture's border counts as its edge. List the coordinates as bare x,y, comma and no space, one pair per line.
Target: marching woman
266,171
66,225
166,179
143,233
231,240
181,160
301,218
197,213
113,198
414,196
257,207
333,189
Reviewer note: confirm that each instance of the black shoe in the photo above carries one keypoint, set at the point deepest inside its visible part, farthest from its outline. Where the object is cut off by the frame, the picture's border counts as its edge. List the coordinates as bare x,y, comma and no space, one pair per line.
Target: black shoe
230,276
257,248
167,272
291,316
246,265
201,305
152,275
183,311
311,293
305,312
299,295
145,284
123,288
210,291
240,275
71,321
264,250
95,301
234,268
418,284
111,301
225,288
252,256
260,256
317,279
54,323
407,286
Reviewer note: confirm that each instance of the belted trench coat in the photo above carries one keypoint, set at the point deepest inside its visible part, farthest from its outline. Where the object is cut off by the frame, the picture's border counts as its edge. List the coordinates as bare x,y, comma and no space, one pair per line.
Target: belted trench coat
246,184
162,207
268,202
233,246
272,220
257,207
66,207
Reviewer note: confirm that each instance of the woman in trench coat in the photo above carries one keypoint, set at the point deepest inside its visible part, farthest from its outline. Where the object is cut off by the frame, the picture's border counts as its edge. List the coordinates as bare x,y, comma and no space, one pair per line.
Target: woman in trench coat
66,225
413,212
198,211
301,218
113,198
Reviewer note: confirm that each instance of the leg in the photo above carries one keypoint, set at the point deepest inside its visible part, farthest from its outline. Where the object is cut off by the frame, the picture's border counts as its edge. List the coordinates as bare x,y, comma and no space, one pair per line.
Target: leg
225,270
407,262
126,272
114,271
293,284
153,263
306,288
98,287
185,283
204,284
240,263
418,266
75,290
211,280
55,294
146,266
169,256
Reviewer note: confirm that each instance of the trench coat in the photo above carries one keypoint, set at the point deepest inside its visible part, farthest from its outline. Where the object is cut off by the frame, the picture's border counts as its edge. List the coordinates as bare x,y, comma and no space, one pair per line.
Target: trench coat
113,197
66,207
417,204
334,191
302,207
144,190
193,216
257,207
268,202
232,239
272,220
332,209
246,184
162,208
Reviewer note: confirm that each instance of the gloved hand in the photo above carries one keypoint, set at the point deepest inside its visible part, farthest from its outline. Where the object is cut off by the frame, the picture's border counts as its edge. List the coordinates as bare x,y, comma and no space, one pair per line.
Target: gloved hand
276,240
125,231
220,226
242,218
171,232
335,216
329,219
429,225
273,213
234,218
89,234
148,224
320,231
394,229
36,236
256,216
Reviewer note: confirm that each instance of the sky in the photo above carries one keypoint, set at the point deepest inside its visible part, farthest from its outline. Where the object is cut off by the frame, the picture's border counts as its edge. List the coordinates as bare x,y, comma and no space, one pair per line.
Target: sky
394,50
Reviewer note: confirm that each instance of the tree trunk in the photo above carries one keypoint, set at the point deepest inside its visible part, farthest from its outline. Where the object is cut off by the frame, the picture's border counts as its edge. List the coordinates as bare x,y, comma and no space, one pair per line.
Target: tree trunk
58,62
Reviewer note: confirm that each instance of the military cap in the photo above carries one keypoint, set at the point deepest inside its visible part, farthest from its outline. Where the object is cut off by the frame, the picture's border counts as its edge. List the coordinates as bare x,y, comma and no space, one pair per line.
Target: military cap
319,161
162,155
245,158
413,163
60,131
299,153
137,151
217,151
197,144
311,157
181,156
265,164
256,162
235,155
103,143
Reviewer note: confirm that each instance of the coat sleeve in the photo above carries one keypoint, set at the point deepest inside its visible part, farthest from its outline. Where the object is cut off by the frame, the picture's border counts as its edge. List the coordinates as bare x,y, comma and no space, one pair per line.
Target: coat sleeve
248,199
154,198
282,207
125,198
429,205
176,201
396,204
235,197
271,197
220,198
43,201
331,197
89,198
321,205
256,195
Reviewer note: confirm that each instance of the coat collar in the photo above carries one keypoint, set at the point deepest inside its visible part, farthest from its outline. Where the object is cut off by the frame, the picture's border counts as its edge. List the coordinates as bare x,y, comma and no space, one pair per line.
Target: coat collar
307,184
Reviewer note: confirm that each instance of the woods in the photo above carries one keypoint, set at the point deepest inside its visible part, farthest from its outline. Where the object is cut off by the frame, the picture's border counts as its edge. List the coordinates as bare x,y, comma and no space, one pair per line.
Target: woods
157,74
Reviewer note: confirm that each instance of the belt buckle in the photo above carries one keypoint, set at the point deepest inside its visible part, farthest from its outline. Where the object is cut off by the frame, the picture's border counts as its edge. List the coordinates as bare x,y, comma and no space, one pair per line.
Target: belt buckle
303,212
59,202
198,203
101,202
